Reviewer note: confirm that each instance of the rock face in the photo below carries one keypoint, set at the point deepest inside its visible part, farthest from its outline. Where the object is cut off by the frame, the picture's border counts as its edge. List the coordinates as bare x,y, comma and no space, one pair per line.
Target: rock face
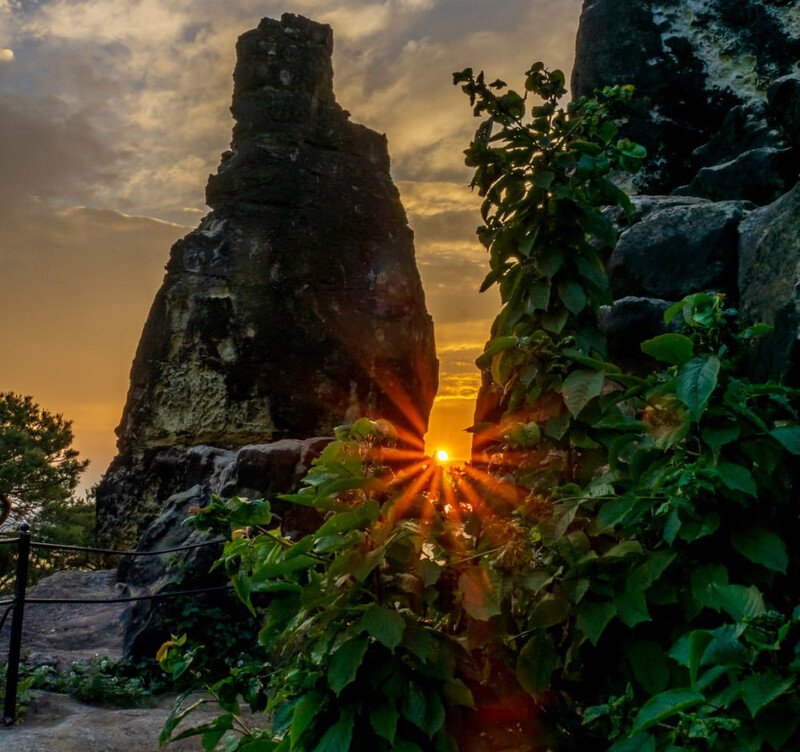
693,62
678,249
769,281
718,108
296,304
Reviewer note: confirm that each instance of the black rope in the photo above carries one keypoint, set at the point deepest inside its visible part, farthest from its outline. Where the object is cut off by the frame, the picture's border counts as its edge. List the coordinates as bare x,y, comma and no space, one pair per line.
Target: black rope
128,599
37,544
8,540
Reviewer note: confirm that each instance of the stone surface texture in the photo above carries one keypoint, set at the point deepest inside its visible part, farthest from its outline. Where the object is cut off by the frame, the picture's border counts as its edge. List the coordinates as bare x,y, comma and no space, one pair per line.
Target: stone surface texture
678,249
296,304
717,106
769,283
255,471
692,62
58,634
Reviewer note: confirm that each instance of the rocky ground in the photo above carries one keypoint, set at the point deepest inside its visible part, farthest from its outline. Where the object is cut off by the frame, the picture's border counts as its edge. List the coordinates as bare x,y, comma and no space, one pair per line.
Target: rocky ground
60,634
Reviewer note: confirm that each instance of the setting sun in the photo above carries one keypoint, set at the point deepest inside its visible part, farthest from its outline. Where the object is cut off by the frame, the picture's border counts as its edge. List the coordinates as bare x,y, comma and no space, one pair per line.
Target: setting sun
442,455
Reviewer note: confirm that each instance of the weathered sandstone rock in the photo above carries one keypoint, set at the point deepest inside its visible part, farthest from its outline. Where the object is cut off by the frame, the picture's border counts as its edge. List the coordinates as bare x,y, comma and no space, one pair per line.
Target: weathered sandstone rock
769,284
295,306
691,62
678,250
760,175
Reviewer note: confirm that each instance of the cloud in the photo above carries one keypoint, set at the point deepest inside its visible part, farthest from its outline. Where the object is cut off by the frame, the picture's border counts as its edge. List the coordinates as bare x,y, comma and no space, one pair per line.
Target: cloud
6,55
431,197
47,151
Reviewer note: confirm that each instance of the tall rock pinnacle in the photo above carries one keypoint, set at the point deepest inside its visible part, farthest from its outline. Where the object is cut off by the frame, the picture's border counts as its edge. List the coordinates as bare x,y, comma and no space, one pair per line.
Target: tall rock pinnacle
296,304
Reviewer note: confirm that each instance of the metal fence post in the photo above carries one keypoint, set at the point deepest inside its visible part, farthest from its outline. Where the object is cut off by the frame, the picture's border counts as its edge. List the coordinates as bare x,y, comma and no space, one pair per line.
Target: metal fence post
15,643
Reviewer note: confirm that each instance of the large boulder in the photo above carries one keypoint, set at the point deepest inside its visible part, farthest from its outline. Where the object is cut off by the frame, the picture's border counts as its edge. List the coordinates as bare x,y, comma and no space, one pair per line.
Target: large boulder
296,304
769,285
678,250
760,175
263,471
784,106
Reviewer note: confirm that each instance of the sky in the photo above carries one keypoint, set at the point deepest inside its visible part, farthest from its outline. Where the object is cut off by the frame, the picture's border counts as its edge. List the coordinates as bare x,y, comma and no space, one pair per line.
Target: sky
114,112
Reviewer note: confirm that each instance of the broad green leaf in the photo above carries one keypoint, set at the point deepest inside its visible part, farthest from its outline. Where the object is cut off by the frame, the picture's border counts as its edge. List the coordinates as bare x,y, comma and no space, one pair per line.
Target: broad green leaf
718,436
270,569
725,648
384,624
759,690
649,664
593,618
343,522
762,547
242,586
419,641
211,732
434,713
549,611
737,478
789,437
615,511
256,745
338,737
572,296
405,745
554,321
631,607
423,708
383,720
676,349
495,346
580,387
303,713
537,296
739,602
550,261
665,705
459,693
176,714
536,662
480,593
430,571
698,642
345,663
697,380
645,574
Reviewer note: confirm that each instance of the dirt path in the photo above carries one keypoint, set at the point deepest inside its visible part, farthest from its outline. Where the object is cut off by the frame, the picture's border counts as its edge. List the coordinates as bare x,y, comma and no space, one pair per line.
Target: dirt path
60,634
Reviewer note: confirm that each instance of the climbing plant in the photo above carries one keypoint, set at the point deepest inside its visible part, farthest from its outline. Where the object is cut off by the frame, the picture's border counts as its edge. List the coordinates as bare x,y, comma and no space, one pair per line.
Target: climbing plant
665,614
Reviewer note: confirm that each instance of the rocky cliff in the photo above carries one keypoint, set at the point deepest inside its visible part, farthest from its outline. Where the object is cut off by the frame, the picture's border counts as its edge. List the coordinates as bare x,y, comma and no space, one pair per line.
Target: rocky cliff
702,69
295,305
718,107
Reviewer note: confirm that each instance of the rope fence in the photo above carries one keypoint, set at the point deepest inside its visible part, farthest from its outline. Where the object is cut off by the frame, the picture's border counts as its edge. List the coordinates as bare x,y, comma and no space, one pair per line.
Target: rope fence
15,606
